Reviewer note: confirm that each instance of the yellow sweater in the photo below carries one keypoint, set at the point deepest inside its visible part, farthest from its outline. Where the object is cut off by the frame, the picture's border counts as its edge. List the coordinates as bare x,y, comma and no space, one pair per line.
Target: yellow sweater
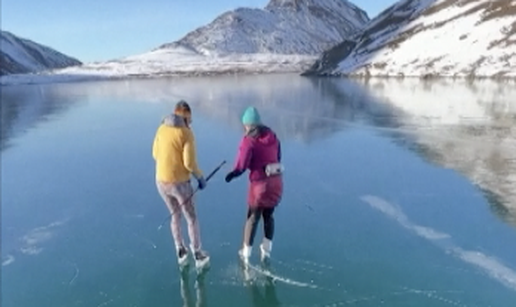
174,152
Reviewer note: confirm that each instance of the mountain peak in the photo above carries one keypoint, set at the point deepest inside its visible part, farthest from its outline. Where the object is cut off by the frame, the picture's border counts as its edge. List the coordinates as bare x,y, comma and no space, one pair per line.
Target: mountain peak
306,27
288,4
321,8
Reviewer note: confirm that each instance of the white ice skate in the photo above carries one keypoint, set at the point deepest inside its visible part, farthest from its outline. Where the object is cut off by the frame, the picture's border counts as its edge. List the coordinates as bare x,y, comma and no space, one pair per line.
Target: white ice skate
245,253
202,259
182,256
265,249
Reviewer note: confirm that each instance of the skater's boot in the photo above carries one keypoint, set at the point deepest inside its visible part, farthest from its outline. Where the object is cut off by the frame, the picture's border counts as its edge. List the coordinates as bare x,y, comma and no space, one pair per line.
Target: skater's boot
182,255
265,249
245,252
202,259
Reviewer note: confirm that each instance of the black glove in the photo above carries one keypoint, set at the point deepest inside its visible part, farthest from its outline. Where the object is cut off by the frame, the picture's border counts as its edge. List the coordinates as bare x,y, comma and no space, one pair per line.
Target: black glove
232,175
201,182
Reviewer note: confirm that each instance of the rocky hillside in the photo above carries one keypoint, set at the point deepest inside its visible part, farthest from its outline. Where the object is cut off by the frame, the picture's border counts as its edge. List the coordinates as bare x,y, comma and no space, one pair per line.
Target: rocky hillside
426,38
18,56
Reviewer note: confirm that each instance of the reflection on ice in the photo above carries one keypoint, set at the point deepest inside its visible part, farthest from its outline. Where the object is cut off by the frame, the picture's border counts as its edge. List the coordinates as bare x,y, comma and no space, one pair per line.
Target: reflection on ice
469,127
298,108
23,107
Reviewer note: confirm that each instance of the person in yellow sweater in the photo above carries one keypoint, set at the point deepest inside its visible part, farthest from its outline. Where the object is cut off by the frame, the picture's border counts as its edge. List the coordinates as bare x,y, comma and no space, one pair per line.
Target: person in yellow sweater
175,155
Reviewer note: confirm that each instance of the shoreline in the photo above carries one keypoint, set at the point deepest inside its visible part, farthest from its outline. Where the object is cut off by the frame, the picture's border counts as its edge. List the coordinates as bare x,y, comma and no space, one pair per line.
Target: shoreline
34,79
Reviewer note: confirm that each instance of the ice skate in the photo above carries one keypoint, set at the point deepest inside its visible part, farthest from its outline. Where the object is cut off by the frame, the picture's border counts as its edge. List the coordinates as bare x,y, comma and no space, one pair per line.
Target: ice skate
245,253
265,249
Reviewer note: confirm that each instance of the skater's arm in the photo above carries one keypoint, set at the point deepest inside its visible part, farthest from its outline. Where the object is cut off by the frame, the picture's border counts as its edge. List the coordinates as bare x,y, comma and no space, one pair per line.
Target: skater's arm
243,160
244,157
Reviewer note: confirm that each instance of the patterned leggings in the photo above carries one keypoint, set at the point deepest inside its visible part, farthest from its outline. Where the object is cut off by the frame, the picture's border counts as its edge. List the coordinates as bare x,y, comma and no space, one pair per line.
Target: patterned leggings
175,196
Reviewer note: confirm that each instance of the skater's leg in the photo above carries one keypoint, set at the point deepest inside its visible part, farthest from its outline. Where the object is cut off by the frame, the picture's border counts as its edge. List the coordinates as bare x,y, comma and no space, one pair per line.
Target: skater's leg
194,232
188,207
166,193
184,194
253,217
268,223
268,229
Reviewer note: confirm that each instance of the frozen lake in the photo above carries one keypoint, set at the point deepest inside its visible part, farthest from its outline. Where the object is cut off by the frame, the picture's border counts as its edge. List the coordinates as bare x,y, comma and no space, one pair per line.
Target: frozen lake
397,193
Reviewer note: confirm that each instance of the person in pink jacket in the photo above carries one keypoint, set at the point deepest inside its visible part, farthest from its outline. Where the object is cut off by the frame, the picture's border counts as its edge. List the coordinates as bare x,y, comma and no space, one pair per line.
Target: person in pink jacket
260,153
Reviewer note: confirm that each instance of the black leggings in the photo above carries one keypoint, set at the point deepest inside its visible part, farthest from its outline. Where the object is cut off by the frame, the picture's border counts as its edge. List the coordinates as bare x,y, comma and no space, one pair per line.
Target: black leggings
253,217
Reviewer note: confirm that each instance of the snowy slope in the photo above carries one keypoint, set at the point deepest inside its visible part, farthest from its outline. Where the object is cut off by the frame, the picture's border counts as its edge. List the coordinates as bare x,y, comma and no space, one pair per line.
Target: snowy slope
283,27
284,36
425,38
20,55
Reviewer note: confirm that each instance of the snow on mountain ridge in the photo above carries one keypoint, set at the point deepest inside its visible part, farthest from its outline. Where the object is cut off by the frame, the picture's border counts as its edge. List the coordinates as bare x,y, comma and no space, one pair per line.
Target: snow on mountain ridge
305,27
424,38
19,55
322,8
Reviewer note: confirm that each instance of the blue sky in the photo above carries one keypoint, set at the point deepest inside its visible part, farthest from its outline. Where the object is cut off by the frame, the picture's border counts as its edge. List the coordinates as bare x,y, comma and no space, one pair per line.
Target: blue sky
101,30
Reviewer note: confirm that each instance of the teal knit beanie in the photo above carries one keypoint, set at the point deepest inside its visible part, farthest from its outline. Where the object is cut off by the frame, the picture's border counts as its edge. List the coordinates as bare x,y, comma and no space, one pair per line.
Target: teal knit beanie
251,117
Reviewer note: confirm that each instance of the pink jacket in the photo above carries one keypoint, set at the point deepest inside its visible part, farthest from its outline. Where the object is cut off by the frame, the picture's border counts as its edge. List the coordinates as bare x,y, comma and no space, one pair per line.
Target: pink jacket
257,149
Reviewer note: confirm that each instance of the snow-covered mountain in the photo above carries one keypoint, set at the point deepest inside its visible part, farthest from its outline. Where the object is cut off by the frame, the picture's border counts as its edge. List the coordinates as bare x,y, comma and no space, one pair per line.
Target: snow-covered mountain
19,56
284,36
426,38
306,27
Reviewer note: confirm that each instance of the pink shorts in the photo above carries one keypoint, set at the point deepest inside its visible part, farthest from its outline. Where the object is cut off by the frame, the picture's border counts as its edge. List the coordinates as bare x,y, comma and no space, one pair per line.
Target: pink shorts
265,193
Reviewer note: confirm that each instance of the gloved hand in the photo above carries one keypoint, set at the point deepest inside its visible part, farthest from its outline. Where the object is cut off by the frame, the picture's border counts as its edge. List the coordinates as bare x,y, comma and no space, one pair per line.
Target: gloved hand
231,175
201,183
